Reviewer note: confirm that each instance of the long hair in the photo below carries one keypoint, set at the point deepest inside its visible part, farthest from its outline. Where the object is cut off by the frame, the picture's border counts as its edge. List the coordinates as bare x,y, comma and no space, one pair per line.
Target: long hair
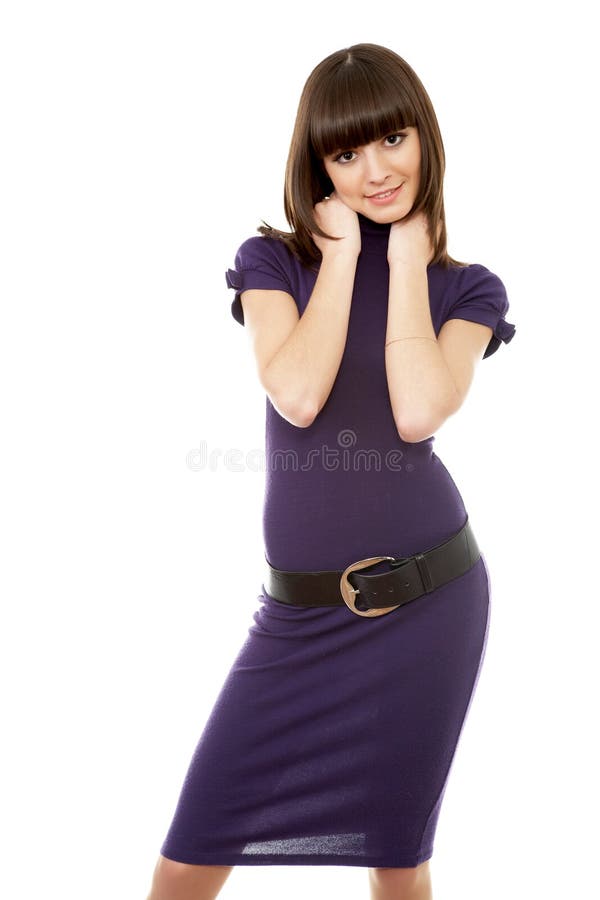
355,96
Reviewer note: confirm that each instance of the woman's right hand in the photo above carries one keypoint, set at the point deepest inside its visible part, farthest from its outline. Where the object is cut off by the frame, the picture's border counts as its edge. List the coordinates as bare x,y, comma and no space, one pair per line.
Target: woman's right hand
336,218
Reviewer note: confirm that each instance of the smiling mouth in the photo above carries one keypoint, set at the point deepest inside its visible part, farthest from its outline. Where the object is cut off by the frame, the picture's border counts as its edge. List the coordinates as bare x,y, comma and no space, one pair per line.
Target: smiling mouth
383,193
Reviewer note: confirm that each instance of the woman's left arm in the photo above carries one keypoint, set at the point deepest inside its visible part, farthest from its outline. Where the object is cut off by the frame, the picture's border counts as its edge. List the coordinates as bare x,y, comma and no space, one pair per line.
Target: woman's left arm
428,378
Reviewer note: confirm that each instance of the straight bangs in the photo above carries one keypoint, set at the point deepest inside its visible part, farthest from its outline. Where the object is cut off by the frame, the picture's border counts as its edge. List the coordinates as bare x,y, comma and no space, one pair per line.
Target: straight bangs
357,107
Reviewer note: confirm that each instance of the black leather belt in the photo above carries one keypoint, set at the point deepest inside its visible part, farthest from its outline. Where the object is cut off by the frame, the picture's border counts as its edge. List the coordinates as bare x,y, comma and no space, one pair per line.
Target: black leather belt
374,595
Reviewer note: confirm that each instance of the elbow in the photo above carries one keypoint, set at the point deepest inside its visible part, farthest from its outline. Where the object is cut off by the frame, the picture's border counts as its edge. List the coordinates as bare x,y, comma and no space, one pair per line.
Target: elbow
419,424
412,434
292,402
412,431
302,417
297,413
296,410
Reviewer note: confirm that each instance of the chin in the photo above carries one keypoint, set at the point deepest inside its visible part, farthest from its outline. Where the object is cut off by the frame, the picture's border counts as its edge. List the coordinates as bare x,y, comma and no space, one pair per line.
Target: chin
384,215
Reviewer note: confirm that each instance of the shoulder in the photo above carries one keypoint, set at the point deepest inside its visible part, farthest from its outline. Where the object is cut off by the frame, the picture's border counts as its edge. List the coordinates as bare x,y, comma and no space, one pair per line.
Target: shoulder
261,250
262,255
263,263
469,283
477,277
478,294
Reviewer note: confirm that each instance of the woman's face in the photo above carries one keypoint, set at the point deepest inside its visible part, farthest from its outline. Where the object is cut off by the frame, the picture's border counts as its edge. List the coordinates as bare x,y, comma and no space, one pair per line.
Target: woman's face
377,167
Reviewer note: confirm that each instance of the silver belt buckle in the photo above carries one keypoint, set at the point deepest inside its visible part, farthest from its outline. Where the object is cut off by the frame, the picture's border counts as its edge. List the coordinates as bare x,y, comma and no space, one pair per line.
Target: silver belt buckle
349,593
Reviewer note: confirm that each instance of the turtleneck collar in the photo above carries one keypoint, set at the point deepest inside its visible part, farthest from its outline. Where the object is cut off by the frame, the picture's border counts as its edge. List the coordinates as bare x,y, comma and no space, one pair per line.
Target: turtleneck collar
372,229
374,236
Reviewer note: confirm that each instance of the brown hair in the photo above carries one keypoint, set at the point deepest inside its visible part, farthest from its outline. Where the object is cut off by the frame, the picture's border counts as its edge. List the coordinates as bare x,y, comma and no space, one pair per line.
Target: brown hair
355,96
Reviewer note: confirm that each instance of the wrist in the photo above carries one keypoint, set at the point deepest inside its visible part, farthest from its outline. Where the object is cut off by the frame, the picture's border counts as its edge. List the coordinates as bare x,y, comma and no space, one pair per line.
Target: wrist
412,266
339,251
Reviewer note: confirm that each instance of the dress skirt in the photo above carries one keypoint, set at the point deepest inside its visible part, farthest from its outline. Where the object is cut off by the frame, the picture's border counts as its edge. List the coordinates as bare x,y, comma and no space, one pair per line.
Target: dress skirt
333,735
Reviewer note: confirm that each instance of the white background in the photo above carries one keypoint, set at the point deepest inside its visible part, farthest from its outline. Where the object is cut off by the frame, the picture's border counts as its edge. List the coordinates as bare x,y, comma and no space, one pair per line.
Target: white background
141,144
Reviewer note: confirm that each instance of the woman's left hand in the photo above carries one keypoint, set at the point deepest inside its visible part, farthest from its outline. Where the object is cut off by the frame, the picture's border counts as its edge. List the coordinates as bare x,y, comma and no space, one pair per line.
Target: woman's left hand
409,242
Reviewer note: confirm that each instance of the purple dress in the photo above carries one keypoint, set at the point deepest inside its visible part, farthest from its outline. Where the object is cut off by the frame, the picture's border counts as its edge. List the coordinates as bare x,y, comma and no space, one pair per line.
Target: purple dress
332,738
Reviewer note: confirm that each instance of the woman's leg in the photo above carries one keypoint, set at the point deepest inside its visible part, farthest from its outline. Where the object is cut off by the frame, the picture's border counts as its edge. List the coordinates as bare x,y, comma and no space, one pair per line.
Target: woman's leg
412,883
180,881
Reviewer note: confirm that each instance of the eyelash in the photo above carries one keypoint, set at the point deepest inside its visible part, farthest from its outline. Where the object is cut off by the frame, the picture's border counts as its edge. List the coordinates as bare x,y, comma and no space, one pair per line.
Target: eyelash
345,162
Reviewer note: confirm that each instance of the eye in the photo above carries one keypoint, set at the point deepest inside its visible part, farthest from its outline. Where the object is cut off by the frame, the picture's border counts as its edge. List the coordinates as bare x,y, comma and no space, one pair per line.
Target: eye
402,137
338,158
397,144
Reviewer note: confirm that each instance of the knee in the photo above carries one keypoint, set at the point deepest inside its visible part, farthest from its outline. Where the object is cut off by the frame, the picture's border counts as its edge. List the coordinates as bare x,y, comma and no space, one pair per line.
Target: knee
167,869
405,877
167,873
164,878
174,880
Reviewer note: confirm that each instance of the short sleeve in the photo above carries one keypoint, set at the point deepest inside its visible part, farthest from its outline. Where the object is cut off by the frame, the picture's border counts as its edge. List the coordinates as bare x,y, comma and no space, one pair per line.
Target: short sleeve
481,297
262,263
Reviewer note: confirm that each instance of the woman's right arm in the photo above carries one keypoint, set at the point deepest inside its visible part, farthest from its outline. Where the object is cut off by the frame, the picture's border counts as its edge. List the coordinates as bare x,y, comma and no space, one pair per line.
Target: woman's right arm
298,357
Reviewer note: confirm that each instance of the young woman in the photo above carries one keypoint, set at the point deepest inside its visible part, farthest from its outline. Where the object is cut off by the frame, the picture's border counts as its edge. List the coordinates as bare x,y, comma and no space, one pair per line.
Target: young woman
333,736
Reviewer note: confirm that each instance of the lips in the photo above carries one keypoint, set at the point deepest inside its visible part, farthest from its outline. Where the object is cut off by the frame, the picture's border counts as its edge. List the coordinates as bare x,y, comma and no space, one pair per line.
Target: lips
383,193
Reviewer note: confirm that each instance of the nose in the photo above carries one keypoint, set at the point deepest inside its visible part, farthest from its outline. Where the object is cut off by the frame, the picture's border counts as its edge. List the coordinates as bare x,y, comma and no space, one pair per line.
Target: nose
376,168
